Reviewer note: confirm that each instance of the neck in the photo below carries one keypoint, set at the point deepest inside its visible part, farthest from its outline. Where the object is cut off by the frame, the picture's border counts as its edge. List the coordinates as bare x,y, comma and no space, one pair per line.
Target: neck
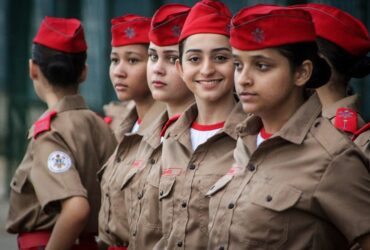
275,119
53,97
331,92
143,105
179,108
211,113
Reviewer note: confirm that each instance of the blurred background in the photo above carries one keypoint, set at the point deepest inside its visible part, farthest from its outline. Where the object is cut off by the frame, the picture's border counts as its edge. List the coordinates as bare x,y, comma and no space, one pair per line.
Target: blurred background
19,105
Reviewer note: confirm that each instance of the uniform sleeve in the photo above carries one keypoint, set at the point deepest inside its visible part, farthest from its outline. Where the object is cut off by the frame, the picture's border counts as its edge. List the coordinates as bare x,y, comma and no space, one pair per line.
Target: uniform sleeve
344,193
54,174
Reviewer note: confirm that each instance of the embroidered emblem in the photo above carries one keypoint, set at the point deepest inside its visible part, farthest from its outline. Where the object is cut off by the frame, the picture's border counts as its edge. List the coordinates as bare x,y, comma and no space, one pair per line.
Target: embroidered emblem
130,32
234,170
346,120
171,172
176,30
258,35
43,124
59,162
228,28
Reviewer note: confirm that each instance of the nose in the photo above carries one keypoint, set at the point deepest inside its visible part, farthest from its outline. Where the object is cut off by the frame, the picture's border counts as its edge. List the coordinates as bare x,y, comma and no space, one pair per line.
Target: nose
243,78
207,68
158,68
119,70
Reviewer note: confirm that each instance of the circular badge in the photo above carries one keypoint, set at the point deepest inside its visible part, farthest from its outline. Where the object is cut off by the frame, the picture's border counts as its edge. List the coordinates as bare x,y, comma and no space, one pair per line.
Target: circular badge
59,162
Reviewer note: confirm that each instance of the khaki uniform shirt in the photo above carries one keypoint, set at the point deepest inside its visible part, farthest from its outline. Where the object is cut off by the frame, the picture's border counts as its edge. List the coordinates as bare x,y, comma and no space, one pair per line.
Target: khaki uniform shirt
82,142
186,177
113,221
307,187
118,111
141,187
363,140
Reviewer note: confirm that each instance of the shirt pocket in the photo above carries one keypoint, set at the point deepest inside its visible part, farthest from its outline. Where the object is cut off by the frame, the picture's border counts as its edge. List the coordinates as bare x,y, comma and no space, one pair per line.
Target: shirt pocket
128,177
166,199
151,208
19,181
262,215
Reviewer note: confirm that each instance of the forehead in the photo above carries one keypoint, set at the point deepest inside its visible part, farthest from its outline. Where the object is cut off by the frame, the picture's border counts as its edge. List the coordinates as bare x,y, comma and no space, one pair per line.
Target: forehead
272,53
132,48
162,49
206,42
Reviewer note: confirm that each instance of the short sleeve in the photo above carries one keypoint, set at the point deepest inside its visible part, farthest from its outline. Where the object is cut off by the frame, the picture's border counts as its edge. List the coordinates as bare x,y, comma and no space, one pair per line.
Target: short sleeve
54,174
344,193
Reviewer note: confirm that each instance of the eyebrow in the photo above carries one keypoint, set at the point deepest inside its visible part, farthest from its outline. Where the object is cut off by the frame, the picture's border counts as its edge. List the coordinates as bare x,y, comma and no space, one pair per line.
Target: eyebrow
212,51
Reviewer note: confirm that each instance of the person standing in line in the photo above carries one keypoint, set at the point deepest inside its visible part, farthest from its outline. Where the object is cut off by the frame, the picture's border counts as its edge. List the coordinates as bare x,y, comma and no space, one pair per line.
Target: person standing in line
346,52
127,72
198,148
141,183
54,197
297,182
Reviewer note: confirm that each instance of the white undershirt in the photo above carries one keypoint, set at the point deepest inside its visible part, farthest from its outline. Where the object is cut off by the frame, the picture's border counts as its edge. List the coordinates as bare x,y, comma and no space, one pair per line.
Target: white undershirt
199,134
260,139
136,127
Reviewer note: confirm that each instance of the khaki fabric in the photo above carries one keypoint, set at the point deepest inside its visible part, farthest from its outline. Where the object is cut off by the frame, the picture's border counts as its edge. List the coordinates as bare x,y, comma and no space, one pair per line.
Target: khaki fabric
113,220
36,191
186,177
352,102
141,187
118,112
307,187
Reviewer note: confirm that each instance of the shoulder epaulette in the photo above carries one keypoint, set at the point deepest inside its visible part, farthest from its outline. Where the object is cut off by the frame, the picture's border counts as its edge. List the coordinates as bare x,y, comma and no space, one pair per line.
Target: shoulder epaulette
346,120
360,131
43,124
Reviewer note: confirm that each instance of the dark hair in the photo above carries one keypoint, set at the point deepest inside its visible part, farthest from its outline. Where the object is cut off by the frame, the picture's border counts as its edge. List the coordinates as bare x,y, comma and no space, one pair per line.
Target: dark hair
60,69
181,49
299,52
342,61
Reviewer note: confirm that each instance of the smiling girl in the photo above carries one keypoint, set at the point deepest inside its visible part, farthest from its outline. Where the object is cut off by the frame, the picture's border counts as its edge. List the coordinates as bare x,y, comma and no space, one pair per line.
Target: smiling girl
198,148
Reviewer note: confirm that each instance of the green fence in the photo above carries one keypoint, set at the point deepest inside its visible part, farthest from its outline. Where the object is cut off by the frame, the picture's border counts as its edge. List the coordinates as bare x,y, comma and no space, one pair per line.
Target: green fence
19,20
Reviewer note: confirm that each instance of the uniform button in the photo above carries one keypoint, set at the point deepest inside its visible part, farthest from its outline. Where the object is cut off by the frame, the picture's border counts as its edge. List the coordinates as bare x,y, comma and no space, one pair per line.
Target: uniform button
118,160
179,243
268,198
317,124
152,161
183,204
161,193
106,195
14,183
221,248
192,167
134,234
251,167
231,205
107,231
140,195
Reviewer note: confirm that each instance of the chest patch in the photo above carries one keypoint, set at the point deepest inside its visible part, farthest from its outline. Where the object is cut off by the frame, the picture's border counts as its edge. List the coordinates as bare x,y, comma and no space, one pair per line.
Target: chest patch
59,162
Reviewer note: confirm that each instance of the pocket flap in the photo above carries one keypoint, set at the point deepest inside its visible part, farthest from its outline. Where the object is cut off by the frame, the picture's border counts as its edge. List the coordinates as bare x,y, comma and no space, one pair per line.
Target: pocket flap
275,197
165,186
129,176
18,181
221,183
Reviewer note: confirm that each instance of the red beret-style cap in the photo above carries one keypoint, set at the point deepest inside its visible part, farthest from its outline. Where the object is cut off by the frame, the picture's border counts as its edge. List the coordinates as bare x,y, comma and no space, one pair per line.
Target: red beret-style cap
339,28
167,24
207,16
66,35
130,29
264,26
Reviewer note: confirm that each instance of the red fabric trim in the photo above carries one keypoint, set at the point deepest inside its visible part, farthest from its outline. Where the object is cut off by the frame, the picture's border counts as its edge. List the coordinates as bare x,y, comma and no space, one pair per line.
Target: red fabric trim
360,131
108,120
264,134
43,124
210,127
168,124
139,121
117,248
33,239
346,120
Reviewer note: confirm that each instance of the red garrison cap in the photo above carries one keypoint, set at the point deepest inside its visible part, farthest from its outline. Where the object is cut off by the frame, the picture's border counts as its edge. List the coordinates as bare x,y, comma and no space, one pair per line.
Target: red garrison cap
167,24
207,16
130,29
264,26
339,27
61,34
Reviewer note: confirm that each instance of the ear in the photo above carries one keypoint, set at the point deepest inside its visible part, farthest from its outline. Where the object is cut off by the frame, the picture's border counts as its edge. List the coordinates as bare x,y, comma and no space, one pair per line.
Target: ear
179,68
83,74
303,73
33,70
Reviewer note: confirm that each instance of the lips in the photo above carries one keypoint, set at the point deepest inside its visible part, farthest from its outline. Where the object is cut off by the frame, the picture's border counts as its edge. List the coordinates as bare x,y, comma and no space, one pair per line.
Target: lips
158,84
246,96
211,83
120,87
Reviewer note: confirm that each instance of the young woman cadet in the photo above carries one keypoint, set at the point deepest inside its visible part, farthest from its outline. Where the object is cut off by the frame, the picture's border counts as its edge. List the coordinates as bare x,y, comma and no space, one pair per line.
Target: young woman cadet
297,182
346,52
54,199
198,148
128,75
141,183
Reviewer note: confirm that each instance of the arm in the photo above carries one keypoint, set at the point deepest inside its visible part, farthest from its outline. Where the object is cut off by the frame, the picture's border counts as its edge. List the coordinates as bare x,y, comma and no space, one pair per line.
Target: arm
70,223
